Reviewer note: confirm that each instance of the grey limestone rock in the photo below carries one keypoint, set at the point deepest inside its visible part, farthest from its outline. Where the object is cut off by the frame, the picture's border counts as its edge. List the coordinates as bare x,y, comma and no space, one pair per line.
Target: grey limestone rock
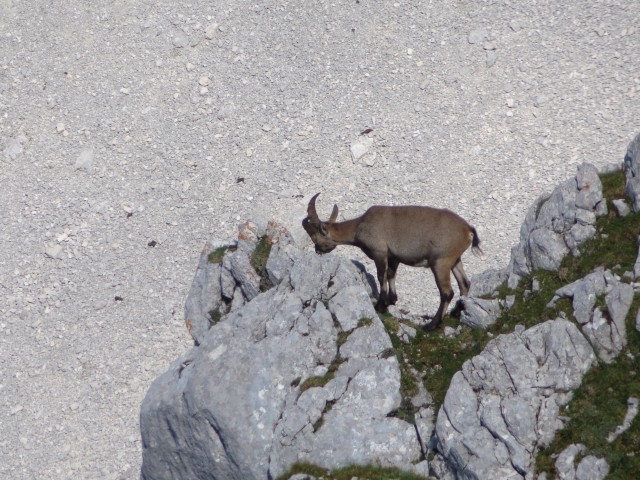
589,468
632,172
505,402
592,468
479,313
636,266
204,296
557,224
621,207
234,406
239,264
607,333
441,469
487,282
227,282
584,293
15,147
632,412
405,332
565,463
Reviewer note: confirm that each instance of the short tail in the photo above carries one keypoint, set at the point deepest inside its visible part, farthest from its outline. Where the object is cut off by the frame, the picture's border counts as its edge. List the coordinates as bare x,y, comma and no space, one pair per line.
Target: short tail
475,244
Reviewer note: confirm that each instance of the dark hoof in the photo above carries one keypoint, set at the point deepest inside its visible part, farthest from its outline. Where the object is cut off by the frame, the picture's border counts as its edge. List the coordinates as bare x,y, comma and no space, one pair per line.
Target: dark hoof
431,326
457,310
381,307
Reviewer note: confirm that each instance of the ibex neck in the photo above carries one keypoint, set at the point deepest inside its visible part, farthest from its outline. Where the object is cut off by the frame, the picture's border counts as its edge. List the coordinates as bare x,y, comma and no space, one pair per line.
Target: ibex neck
344,232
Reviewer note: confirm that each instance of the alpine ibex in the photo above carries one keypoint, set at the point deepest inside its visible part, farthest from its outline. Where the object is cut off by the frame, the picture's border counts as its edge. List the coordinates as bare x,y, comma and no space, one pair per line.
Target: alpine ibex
412,235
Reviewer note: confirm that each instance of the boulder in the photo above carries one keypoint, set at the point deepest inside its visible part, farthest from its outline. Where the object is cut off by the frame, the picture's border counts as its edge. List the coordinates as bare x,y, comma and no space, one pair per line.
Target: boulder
589,468
557,224
505,402
607,333
479,313
565,463
225,279
621,207
487,282
301,372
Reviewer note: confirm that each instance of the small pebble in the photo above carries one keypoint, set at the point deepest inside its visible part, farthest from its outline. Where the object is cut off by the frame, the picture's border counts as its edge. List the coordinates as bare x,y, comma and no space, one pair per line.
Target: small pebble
85,160
181,40
478,35
54,251
211,31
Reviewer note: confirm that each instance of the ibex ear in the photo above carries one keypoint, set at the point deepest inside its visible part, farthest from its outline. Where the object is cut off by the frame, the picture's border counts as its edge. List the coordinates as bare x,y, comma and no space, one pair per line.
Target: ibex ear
334,214
323,229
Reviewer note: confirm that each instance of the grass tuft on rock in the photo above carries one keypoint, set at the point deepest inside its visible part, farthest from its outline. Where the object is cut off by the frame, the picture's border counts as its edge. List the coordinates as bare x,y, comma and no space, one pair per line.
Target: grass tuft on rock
348,473
259,259
217,255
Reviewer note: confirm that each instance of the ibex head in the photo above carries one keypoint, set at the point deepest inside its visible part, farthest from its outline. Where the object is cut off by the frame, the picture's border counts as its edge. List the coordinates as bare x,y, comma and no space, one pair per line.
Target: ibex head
319,230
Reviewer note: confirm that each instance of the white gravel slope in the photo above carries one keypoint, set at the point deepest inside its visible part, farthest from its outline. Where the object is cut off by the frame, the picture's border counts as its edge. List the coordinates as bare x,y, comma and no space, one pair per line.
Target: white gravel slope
122,124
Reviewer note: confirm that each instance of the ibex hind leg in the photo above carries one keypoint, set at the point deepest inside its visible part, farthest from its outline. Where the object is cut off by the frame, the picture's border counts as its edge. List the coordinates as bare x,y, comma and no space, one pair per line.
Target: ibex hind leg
391,277
383,299
461,277
442,273
463,284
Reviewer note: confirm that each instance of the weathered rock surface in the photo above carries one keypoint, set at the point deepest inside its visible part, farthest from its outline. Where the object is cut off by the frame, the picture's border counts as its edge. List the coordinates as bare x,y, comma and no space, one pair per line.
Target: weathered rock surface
487,282
589,468
478,312
505,402
632,172
557,224
607,333
621,207
233,407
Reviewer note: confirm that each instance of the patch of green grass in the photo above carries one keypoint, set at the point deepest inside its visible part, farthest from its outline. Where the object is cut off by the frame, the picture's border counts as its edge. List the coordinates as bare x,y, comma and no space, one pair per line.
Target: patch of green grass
217,255
259,259
321,381
215,316
437,358
348,473
598,406
364,322
408,381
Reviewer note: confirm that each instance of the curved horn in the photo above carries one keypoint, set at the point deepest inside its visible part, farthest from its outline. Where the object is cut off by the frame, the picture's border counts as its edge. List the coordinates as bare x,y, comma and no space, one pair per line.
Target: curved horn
334,214
311,209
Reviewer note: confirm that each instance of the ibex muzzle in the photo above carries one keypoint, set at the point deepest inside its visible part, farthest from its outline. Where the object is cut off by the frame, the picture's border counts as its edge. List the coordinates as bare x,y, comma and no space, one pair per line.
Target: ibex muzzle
411,235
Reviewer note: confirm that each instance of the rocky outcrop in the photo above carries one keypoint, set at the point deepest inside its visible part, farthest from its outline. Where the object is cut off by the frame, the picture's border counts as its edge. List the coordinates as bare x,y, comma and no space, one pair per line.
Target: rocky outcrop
304,371
557,224
606,332
479,313
505,402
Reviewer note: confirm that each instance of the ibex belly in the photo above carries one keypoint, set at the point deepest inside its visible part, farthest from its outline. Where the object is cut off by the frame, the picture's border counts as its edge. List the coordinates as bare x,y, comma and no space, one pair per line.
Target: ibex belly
421,263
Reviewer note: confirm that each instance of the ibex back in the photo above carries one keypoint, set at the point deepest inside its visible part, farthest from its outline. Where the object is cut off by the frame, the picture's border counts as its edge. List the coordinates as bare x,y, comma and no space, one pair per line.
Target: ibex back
411,235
